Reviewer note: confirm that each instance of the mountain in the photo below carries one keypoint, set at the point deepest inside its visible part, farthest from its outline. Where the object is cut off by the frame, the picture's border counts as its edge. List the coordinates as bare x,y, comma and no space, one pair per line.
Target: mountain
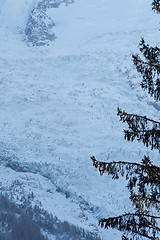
65,68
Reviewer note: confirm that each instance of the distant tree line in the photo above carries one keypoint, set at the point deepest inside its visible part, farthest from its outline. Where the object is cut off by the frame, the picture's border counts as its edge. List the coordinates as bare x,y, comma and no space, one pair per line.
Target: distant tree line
16,224
27,223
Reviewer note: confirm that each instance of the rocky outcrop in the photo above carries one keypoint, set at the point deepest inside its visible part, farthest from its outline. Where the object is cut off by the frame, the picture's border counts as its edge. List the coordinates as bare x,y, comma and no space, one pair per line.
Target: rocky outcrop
44,4
40,28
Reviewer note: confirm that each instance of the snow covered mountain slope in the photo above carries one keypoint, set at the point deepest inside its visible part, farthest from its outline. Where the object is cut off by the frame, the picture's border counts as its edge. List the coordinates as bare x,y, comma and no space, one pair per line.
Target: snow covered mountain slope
58,105
15,13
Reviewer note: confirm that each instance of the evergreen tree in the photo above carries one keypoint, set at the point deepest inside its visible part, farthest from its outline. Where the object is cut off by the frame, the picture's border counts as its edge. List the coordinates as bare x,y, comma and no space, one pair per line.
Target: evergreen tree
143,179
149,67
143,182
156,5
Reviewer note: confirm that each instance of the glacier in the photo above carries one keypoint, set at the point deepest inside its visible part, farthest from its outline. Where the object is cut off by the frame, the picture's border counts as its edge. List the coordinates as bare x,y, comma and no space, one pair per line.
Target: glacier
58,105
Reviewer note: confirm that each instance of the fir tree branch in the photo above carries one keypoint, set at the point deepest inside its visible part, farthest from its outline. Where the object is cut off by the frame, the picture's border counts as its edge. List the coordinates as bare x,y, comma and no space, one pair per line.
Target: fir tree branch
142,128
145,175
141,202
136,58
120,112
143,225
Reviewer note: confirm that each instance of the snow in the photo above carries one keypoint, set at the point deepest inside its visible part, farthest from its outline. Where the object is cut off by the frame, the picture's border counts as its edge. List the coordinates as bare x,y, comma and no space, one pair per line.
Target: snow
58,104
95,19
15,13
